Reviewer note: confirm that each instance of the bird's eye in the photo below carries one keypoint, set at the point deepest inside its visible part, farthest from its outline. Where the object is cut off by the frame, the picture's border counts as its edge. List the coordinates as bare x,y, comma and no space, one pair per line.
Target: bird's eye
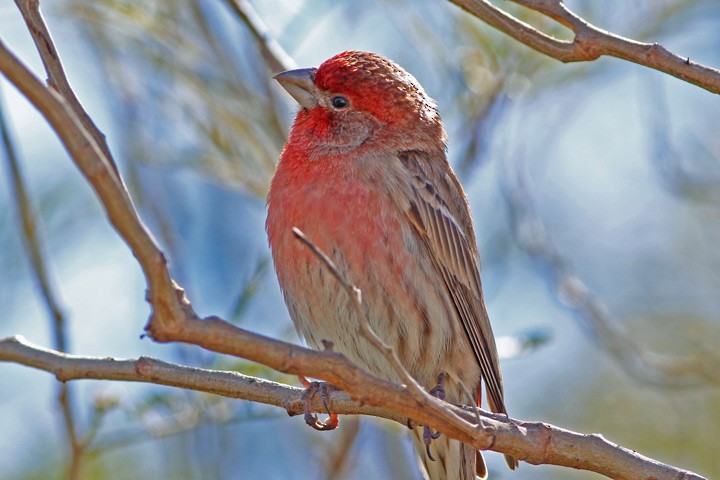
340,102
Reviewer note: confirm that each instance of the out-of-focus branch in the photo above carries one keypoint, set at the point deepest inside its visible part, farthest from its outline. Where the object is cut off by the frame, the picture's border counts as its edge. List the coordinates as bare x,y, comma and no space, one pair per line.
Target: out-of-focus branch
691,177
590,42
36,254
30,235
275,56
57,80
533,442
532,236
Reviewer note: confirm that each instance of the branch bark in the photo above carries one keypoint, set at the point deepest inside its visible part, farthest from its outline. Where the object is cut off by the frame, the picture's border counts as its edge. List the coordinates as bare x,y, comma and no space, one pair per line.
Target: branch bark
57,80
590,42
534,442
163,294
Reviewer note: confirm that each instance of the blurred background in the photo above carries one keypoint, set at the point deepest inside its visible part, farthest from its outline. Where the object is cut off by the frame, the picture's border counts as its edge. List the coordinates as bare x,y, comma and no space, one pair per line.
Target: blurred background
595,190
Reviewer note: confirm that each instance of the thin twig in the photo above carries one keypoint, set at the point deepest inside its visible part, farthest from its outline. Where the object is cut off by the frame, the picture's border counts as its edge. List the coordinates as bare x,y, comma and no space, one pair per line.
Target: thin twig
354,292
590,42
365,328
275,56
57,80
33,242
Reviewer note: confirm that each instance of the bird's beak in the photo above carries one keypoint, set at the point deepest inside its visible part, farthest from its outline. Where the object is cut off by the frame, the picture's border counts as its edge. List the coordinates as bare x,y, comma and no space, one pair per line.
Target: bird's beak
300,84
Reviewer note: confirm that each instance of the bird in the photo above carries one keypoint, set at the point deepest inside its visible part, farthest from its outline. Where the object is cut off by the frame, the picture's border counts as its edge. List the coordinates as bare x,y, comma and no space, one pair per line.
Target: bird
365,176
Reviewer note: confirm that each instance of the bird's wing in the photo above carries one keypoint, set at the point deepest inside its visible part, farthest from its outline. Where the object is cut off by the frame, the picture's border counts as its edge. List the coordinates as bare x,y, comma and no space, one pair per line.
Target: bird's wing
440,214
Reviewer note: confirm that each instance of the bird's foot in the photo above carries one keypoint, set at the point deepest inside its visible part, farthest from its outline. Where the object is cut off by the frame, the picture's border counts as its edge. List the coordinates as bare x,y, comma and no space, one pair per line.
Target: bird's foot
323,390
438,391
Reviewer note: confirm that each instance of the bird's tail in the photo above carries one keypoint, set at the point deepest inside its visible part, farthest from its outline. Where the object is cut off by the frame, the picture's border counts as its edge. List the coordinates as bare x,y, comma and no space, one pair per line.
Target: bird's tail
453,459
511,461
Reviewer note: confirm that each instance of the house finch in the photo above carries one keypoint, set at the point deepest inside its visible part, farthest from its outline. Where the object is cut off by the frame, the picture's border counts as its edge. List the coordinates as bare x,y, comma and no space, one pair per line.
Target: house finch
365,177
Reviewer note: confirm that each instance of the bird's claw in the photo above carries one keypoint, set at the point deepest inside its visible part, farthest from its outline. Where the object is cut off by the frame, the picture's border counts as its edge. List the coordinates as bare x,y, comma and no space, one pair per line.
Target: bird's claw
438,391
428,437
322,389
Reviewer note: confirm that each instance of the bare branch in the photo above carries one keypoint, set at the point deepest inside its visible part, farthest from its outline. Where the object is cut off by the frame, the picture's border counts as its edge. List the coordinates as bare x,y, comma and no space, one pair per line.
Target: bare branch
57,80
590,42
68,367
338,458
534,442
274,55
167,299
30,235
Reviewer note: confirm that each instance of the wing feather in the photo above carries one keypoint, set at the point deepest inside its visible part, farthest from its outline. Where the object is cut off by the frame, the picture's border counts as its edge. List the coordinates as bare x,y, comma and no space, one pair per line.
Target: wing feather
441,216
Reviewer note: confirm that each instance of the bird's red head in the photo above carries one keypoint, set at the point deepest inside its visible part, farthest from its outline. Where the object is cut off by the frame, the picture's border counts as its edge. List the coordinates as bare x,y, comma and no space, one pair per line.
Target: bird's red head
375,85
359,98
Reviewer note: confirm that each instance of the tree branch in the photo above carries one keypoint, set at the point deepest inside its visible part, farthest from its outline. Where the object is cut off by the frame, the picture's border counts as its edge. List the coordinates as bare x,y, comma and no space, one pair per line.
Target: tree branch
57,80
274,55
173,320
167,299
590,42
534,442
66,367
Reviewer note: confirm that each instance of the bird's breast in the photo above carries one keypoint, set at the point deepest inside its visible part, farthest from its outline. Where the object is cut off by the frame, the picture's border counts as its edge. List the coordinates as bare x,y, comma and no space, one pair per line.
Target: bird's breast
355,223
358,223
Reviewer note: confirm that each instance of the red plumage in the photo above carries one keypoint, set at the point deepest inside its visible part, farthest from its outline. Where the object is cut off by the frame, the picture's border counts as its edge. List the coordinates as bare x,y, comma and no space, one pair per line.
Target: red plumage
364,176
